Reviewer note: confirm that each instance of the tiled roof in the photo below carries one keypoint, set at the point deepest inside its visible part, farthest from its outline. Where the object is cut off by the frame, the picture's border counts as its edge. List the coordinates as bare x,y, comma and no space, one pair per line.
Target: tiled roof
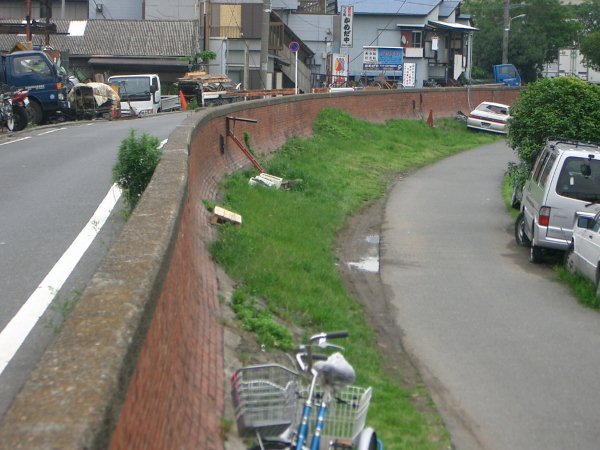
392,7
121,38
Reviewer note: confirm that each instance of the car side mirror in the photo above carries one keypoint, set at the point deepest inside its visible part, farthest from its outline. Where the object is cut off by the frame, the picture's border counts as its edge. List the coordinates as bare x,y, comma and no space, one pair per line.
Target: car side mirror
585,222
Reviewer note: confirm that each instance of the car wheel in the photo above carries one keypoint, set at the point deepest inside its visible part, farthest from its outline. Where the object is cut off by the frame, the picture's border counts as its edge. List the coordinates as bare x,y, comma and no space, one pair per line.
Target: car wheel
535,254
569,259
37,114
520,236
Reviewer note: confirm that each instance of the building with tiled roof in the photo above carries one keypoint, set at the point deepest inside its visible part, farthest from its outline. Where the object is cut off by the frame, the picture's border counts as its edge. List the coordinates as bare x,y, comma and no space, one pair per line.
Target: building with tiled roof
110,46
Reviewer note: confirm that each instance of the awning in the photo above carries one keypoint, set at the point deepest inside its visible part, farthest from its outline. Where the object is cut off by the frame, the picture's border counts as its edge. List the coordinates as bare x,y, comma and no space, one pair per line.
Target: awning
410,26
451,26
155,62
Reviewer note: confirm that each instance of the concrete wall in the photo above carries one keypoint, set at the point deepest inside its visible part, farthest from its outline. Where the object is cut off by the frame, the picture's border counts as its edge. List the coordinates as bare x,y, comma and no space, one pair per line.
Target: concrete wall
139,362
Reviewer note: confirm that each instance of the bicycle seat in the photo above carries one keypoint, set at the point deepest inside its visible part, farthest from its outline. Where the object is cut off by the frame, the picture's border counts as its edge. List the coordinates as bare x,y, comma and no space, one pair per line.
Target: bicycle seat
335,372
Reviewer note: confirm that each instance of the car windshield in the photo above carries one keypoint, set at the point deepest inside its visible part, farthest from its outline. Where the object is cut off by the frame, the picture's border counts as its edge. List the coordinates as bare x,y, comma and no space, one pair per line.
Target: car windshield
580,179
133,88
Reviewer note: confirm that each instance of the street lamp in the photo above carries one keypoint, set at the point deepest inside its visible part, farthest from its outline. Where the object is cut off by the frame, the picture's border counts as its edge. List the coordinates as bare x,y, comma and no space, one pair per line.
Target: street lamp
505,36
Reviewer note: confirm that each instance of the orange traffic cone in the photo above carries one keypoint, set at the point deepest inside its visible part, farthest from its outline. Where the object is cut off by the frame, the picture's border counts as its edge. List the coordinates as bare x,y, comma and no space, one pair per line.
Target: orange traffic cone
183,102
430,118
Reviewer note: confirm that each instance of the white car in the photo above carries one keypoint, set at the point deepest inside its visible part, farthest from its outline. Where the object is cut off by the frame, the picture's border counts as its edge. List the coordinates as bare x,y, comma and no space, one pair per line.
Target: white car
489,116
583,255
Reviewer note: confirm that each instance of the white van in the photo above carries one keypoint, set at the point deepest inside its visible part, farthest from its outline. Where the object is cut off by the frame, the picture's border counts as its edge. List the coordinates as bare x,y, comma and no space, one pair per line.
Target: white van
565,179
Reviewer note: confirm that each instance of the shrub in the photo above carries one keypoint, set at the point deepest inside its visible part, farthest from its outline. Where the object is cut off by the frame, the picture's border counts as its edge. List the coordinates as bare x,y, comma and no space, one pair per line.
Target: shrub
137,159
565,107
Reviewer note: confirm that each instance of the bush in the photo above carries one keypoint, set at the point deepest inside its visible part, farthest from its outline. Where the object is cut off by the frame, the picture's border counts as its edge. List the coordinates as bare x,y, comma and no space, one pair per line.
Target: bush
137,159
565,107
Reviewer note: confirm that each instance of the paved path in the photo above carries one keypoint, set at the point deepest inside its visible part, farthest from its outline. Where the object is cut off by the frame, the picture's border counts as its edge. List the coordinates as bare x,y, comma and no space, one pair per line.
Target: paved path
513,361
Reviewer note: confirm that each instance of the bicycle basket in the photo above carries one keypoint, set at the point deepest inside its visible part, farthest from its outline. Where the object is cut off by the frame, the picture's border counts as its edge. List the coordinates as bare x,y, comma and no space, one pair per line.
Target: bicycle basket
264,399
346,414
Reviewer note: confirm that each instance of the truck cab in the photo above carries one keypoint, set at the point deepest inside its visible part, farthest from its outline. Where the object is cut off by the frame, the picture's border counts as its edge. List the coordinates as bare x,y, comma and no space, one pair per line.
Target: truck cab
35,72
507,74
140,94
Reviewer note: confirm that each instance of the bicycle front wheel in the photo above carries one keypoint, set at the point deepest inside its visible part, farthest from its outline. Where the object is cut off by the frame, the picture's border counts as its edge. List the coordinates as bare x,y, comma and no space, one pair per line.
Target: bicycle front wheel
367,440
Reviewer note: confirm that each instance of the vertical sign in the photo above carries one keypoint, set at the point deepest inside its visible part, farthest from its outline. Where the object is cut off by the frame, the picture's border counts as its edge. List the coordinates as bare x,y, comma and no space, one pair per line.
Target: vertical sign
409,74
347,14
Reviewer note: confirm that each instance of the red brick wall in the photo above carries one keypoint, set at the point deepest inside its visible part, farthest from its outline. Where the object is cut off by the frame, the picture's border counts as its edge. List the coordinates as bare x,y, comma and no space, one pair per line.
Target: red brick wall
175,397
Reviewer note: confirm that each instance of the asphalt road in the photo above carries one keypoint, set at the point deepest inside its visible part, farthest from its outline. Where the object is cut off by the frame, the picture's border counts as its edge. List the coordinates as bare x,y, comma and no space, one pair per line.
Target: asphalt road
510,356
52,179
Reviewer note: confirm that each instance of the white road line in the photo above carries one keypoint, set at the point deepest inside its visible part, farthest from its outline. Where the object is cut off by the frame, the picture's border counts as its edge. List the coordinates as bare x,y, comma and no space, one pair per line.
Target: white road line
52,131
16,140
17,330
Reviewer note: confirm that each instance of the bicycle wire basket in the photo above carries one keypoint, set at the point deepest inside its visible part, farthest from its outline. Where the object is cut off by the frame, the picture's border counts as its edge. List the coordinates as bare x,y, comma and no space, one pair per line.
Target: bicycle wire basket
346,413
264,399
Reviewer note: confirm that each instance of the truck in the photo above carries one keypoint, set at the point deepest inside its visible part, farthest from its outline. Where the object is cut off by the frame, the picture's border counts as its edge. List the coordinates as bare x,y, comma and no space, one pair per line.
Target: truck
142,95
507,74
35,72
209,89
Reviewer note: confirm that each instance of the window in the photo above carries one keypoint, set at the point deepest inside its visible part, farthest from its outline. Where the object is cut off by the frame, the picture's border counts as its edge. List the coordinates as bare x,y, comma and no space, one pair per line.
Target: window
31,64
580,179
417,39
539,164
546,170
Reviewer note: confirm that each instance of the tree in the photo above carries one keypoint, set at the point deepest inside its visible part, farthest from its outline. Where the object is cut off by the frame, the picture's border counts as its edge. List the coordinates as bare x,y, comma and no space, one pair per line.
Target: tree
533,40
566,107
590,48
588,15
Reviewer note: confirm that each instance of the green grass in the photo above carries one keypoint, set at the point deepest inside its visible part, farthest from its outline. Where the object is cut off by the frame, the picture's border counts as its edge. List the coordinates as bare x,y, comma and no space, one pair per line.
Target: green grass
282,255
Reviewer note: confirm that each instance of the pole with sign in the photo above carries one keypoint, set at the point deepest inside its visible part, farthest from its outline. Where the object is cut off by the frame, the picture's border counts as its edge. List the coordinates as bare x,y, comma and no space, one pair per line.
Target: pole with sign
294,47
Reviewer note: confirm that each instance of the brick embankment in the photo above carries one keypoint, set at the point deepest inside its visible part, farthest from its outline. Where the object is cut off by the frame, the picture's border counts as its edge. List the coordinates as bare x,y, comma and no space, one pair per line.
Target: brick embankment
139,362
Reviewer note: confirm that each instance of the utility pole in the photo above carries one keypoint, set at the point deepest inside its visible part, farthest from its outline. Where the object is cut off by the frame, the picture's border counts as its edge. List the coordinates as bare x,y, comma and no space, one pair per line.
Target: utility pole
28,23
264,43
207,24
505,31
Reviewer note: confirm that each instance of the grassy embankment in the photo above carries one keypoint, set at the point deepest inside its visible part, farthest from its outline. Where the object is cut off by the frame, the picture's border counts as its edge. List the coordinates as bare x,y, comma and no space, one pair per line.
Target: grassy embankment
282,256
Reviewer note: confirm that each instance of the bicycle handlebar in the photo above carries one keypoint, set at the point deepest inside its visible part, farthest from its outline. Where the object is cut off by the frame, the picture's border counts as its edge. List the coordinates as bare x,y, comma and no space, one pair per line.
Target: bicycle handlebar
305,355
330,335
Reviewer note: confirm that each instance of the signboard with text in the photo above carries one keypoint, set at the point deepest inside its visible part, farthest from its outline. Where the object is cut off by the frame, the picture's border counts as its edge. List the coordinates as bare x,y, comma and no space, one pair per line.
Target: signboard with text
382,58
347,15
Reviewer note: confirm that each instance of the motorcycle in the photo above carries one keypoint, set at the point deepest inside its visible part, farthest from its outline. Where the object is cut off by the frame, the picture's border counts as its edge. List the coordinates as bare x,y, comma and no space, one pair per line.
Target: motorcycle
13,109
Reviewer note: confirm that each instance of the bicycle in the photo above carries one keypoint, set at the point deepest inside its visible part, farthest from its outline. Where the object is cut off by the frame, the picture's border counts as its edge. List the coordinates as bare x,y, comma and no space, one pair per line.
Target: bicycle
273,405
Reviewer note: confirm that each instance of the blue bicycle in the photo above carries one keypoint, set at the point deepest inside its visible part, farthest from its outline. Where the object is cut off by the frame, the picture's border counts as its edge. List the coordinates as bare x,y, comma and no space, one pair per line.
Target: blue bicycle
273,404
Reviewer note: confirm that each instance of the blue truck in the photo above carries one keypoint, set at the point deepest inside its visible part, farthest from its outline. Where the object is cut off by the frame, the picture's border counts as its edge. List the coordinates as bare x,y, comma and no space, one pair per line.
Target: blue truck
507,74
35,71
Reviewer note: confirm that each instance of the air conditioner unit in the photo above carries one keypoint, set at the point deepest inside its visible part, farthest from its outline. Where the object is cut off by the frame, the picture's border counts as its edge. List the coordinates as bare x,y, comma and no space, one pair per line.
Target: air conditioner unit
99,7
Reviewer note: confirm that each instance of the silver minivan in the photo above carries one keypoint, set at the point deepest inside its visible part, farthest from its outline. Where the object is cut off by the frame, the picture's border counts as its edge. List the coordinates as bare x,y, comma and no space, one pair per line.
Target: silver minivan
565,179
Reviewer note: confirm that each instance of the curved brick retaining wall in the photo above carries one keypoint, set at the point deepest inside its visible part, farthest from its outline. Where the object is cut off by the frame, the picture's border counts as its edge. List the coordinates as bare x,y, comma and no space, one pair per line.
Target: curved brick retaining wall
139,362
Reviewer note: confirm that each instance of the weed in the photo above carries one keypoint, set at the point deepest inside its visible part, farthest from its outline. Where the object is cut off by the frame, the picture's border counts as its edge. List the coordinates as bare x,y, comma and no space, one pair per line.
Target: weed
137,159
61,309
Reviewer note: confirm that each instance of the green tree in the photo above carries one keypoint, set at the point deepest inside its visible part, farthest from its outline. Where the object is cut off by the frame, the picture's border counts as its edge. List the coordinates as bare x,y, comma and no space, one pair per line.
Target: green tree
590,48
566,107
588,16
533,40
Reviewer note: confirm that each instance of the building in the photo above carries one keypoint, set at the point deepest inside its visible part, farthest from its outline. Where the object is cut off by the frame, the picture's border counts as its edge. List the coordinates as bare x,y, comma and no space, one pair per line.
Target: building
308,43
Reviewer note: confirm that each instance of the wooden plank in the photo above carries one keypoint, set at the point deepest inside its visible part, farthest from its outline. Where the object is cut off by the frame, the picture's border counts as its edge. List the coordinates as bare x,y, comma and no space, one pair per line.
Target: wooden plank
222,215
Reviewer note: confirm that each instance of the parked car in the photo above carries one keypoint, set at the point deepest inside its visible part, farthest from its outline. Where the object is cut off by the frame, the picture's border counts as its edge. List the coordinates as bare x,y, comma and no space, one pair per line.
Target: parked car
583,254
490,116
565,179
